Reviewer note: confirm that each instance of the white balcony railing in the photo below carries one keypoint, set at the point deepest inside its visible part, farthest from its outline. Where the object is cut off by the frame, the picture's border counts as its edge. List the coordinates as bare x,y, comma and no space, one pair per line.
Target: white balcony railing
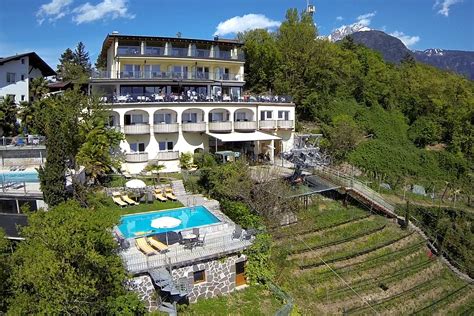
136,157
194,127
166,128
220,126
167,155
285,124
245,125
137,129
268,124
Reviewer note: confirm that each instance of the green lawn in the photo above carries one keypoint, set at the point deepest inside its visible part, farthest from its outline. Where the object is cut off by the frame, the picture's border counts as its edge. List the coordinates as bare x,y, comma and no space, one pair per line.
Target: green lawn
254,300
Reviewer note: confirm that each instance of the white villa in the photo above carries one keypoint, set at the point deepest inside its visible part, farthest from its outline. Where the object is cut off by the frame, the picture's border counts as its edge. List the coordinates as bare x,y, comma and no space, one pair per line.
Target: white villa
17,71
176,95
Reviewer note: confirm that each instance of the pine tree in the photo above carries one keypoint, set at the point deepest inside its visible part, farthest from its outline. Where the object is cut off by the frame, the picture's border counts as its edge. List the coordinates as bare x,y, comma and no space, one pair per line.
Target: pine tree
81,57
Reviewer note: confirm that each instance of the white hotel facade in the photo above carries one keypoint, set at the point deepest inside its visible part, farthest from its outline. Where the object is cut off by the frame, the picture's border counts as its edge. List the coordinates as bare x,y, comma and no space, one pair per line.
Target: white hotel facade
173,95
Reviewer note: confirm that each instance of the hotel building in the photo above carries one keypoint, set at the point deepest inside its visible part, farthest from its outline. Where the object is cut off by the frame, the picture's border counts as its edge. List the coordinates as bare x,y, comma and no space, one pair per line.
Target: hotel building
174,95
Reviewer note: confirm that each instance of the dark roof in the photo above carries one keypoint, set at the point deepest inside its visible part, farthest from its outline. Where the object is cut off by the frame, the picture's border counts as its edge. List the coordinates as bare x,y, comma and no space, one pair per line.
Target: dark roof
220,41
35,61
9,223
59,85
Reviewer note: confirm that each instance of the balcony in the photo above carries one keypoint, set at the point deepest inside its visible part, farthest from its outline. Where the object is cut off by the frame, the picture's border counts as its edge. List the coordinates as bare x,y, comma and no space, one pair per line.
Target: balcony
194,127
163,128
166,75
268,124
114,127
182,52
136,157
137,129
245,125
167,155
285,124
220,126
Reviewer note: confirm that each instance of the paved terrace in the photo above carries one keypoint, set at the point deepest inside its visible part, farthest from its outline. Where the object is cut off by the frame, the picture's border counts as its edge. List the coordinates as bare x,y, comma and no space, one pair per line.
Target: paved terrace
218,240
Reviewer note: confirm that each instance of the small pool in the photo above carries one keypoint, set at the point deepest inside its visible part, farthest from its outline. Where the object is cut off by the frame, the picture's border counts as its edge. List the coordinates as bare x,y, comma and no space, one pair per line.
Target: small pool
134,225
19,176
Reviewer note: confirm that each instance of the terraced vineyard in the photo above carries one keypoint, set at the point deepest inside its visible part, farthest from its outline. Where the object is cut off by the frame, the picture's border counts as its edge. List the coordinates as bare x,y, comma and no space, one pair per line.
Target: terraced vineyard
375,267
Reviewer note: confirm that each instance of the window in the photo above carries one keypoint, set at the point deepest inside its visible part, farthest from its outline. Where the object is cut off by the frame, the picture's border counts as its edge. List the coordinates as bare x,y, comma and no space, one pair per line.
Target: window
22,77
131,71
165,146
23,61
22,97
265,115
190,117
10,77
137,147
199,276
217,117
137,119
152,71
284,115
240,116
163,118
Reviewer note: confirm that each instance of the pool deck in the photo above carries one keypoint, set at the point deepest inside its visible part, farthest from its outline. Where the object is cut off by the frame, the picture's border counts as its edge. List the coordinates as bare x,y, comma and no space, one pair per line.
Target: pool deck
218,240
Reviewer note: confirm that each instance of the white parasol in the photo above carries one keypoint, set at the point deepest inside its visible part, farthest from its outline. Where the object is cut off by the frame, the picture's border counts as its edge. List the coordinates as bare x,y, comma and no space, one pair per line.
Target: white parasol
165,222
135,184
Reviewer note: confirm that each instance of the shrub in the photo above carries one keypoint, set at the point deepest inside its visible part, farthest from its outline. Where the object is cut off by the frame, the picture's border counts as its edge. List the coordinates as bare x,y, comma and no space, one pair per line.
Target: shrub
240,213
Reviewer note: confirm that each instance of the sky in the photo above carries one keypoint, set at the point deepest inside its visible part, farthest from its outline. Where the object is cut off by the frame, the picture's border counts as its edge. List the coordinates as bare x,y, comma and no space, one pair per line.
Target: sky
48,27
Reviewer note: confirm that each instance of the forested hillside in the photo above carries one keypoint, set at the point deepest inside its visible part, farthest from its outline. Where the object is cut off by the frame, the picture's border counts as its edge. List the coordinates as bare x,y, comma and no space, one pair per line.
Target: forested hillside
403,124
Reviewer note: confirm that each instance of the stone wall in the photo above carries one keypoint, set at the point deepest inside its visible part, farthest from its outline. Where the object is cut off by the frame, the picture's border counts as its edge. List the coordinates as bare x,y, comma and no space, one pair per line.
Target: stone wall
143,286
220,277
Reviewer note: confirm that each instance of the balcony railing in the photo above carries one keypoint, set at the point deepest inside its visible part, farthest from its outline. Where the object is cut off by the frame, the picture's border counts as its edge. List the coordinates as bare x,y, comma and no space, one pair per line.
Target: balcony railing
136,157
220,126
165,128
115,127
194,127
137,129
245,125
167,75
285,124
178,52
268,124
167,155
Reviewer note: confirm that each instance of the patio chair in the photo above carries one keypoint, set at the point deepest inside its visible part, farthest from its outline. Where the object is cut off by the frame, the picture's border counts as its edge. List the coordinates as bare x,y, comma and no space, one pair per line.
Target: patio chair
237,234
159,195
129,200
196,232
117,200
144,247
201,240
170,194
158,245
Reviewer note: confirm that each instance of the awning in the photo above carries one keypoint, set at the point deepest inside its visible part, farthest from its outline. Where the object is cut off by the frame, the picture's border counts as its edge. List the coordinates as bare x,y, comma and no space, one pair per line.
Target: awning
243,137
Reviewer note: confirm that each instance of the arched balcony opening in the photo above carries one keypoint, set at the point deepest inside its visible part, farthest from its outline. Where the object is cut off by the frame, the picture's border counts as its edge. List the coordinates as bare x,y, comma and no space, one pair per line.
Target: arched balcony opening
244,120
219,121
136,122
192,120
165,121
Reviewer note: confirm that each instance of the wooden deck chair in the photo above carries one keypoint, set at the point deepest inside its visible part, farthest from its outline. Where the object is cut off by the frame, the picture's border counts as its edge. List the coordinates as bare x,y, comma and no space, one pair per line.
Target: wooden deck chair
117,200
129,200
159,195
170,195
158,245
144,247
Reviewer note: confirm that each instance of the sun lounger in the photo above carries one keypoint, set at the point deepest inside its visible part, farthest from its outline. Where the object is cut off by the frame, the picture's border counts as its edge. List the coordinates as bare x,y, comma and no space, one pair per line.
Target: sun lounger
129,200
170,195
159,196
119,201
144,247
18,186
157,244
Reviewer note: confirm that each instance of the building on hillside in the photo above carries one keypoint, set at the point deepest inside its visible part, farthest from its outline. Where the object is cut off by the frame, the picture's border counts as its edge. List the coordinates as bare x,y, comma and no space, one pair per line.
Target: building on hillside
16,73
175,95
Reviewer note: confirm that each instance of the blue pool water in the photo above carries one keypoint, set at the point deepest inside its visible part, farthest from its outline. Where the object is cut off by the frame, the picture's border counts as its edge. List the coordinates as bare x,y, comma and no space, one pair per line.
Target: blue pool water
139,224
19,176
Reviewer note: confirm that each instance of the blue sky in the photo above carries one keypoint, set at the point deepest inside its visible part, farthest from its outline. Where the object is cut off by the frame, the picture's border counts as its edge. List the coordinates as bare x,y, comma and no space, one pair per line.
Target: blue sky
50,26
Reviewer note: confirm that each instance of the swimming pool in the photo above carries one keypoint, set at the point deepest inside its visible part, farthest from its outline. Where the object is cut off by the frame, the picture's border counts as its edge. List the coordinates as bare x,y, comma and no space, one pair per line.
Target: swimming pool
19,176
134,225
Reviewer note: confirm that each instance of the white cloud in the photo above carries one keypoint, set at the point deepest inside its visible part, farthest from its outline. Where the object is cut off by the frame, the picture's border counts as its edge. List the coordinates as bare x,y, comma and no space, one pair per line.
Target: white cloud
406,39
365,19
339,18
444,6
53,11
244,23
106,9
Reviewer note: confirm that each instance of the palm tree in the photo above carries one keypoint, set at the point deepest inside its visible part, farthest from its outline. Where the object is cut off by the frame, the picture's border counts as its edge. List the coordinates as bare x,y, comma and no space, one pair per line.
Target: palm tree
155,168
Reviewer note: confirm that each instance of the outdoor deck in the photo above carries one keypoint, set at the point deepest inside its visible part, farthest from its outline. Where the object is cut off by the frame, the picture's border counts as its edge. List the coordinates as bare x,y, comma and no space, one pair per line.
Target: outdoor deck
217,244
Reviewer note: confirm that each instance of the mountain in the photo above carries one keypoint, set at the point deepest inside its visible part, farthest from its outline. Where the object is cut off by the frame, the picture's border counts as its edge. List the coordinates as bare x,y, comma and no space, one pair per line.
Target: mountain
339,33
393,50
